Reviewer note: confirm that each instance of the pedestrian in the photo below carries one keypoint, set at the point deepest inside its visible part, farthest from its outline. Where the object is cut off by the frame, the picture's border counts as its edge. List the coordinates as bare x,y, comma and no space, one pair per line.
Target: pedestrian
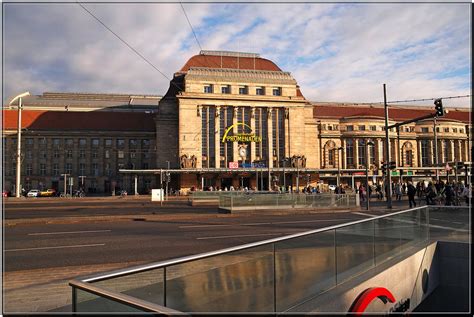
398,191
449,193
411,191
430,194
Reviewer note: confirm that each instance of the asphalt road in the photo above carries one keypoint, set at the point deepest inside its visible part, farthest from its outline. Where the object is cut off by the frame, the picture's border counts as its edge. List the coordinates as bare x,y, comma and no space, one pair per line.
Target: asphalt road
57,245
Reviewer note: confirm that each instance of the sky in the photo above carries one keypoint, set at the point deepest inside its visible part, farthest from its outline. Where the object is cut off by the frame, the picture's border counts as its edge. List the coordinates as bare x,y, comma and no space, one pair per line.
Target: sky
336,52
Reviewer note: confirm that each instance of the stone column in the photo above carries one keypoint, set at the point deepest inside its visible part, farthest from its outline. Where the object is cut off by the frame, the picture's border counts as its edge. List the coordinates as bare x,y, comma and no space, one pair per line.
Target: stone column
342,153
441,151
431,158
379,152
235,147
270,137
252,126
217,141
356,152
451,152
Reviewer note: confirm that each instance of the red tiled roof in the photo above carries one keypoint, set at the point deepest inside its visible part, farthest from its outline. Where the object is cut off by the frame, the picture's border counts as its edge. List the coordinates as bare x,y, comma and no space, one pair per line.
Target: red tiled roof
401,114
70,120
214,61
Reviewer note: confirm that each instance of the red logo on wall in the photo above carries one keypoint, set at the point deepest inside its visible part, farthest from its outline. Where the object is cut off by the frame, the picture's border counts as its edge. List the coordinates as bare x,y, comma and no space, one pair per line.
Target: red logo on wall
367,296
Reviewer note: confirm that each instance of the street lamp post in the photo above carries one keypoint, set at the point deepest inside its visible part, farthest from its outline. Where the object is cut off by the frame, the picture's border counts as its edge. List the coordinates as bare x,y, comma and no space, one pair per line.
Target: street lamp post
339,150
367,170
65,183
18,142
436,148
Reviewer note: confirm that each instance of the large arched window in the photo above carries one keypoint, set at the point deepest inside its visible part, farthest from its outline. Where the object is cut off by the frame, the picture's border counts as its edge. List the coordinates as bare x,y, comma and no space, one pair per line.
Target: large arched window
407,151
330,153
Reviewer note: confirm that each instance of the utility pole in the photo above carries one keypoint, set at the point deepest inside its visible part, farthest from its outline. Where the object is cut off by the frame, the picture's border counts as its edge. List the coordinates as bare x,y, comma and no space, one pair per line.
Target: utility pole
387,152
339,150
436,148
367,170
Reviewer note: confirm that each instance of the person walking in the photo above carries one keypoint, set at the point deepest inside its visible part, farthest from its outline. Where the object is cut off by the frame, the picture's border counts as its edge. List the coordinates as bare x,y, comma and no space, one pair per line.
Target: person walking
430,194
411,192
398,191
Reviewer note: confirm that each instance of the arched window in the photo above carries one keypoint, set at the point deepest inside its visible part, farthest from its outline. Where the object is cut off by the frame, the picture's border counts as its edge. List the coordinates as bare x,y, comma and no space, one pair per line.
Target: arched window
350,152
329,150
407,150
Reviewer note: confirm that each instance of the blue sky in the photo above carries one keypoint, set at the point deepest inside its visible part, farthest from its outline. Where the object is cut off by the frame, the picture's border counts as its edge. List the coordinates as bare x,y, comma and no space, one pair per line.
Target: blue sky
336,52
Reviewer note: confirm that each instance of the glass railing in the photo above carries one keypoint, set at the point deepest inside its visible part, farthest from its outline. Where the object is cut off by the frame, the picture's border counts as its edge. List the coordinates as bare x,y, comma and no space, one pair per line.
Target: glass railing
285,201
273,275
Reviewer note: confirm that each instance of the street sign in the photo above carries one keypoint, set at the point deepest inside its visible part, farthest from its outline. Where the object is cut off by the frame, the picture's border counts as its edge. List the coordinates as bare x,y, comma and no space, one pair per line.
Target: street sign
247,165
233,164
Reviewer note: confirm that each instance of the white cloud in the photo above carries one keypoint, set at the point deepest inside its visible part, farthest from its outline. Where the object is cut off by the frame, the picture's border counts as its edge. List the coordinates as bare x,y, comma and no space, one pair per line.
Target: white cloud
336,52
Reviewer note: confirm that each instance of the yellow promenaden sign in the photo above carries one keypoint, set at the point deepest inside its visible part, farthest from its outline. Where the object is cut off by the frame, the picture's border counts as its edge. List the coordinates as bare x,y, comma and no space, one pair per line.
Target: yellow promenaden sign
240,137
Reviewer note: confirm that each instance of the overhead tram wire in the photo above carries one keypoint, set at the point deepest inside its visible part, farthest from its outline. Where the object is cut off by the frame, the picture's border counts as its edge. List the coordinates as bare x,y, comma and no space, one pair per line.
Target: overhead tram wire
399,101
208,62
128,45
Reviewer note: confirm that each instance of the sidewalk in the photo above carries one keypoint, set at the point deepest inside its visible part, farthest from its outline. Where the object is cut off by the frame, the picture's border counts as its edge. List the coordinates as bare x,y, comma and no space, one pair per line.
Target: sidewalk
43,290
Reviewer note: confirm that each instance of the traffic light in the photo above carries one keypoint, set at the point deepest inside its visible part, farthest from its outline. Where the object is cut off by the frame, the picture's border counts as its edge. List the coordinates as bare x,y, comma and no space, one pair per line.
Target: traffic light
393,165
439,107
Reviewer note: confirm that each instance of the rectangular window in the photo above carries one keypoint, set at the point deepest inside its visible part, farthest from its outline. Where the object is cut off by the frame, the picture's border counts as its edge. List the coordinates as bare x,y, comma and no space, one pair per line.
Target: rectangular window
82,142
30,141
82,154
350,152
108,142
329,127
446,129
95,169
95,142
260,91
29,154
362,128
107,154
107,170
29,169
225,89
94,154
56,142
69,142
243,90
120,154
68,168
409,157
82,169
424,152
455,130
145,165
208,89
425,130
43,142
42,169
55,169
43,155
120,142
361,150
145,143
133,154
350,128
373,128
146,155
56,154
132,143
69,154
276,91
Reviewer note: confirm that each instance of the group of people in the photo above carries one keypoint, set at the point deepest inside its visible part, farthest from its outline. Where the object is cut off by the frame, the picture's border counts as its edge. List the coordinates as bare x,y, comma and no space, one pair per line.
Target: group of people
438,192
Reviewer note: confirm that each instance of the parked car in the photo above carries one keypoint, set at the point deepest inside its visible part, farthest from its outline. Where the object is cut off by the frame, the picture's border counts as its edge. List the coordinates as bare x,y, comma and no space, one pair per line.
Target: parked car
332,187
6,193
48,193
33,193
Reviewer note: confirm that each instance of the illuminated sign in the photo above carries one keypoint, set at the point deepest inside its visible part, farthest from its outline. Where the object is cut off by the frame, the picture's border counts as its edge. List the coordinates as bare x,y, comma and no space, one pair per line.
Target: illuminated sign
240,137
366,297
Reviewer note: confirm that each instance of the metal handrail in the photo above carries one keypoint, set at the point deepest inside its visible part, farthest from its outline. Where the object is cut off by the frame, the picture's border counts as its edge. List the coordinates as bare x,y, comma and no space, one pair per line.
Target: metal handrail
161,264
124,299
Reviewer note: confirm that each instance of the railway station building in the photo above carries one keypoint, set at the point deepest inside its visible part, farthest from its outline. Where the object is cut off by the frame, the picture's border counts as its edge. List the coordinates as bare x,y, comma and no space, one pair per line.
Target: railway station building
227,119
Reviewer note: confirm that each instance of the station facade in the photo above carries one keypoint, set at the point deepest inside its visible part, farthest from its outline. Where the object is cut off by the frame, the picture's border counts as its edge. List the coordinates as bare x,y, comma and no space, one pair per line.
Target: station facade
227,119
